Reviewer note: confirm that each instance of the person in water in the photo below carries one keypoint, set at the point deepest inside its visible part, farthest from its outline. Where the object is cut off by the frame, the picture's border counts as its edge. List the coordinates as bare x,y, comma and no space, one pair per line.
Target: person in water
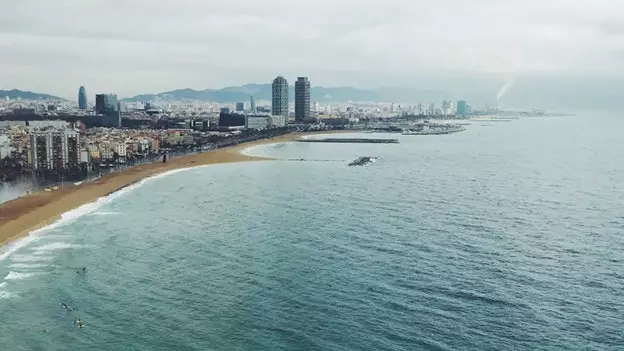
78,323
82,270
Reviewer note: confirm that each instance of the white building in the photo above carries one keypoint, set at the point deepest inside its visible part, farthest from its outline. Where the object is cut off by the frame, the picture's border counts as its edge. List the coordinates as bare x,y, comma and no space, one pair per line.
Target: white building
5,146
121,150
257,122
54,149
278,121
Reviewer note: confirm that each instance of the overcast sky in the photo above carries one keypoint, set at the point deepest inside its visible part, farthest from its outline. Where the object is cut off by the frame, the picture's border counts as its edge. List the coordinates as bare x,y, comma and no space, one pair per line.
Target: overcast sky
143,46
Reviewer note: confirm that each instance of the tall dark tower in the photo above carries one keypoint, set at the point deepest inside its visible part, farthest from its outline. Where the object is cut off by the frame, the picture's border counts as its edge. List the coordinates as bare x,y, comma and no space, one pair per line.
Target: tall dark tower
302,99
279,106
82,98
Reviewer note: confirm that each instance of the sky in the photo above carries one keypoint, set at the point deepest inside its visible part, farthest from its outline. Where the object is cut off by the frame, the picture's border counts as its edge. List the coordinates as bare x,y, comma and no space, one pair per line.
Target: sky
130,47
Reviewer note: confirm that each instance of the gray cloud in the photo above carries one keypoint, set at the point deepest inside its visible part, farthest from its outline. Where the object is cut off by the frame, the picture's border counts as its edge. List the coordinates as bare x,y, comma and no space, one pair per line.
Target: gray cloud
133,46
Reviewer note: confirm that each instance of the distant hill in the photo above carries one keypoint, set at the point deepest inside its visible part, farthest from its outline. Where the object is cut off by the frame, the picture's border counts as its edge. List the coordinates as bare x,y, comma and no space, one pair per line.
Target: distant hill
263,92
26,95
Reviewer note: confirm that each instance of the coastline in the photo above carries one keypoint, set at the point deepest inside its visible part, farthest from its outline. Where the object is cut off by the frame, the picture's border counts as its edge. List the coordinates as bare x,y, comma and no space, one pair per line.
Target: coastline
27,214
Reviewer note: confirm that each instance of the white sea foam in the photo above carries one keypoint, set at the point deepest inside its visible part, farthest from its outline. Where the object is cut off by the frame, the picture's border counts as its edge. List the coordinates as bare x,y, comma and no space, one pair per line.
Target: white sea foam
27,266
5,295
30,258
3,284
39,250
71,216
21,276
104,213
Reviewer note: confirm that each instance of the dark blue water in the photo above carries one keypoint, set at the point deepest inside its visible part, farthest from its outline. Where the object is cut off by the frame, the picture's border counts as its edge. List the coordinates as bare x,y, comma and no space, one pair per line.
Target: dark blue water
503,237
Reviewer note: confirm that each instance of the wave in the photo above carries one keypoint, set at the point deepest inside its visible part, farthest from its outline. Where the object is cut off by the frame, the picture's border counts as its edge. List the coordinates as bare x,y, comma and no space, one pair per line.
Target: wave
31,258
21,276
72,215
104,213
54,246
27,266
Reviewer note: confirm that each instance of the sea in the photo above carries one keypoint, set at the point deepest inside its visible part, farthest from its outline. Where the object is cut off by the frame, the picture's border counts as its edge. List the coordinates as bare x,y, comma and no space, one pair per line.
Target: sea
507,236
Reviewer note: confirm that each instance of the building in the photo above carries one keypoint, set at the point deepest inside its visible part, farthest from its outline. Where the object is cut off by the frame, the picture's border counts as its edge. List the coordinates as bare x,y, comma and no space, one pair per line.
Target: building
257,122
252,104
302,99
82,98
278,121
461,108
279,105
240,107
231,120
54,149
225,110
6,149
108,106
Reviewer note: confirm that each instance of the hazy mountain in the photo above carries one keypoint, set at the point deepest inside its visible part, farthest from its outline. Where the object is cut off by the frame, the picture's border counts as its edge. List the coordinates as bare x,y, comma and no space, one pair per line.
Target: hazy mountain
26,95
264,91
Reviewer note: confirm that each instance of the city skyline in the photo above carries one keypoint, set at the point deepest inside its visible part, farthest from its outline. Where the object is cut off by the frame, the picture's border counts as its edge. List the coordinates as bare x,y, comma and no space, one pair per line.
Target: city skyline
378,45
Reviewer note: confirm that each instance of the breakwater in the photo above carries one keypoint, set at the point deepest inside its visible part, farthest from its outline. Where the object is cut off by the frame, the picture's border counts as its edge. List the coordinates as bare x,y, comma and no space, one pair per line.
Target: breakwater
350,140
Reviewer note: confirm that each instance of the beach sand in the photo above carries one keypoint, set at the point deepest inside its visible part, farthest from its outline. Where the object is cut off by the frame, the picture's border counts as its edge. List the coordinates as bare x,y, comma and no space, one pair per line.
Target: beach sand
21,216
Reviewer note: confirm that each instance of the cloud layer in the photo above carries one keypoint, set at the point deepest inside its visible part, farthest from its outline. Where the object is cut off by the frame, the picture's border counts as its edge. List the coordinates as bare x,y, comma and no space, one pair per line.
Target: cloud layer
134,46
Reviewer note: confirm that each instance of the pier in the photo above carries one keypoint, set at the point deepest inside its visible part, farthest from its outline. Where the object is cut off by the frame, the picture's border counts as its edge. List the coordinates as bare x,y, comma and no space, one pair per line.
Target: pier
350,140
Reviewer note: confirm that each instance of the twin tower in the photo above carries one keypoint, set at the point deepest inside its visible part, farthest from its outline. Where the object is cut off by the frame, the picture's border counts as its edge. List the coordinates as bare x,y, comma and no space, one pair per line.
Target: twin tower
279,106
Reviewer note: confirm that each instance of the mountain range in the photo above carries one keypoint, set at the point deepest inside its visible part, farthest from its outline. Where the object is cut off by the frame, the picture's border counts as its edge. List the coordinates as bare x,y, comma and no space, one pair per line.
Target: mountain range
26,95
264,92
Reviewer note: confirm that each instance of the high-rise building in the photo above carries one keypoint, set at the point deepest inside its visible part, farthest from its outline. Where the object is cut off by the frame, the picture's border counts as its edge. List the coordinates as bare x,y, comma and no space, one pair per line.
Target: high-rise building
240,106
6,149
54,149
252,104
82,98
106,104
279,106
461,108
302,99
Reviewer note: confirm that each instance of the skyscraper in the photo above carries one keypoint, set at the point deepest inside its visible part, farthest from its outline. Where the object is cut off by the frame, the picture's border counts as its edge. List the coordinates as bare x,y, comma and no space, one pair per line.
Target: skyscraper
108,106
82,98
279,106
240,106
252,104
461,108
302,99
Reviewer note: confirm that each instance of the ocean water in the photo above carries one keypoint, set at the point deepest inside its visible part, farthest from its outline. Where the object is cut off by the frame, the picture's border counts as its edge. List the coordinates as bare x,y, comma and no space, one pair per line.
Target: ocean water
508,236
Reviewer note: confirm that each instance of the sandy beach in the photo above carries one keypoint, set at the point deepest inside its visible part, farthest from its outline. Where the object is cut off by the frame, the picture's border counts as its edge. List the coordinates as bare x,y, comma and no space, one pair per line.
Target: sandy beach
21,216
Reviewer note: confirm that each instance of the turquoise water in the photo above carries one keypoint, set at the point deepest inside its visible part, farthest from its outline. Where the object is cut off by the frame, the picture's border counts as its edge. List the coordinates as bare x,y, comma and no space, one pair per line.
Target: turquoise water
503,237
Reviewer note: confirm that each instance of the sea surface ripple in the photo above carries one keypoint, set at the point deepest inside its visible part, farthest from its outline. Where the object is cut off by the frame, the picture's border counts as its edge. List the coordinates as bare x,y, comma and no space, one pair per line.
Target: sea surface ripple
506,237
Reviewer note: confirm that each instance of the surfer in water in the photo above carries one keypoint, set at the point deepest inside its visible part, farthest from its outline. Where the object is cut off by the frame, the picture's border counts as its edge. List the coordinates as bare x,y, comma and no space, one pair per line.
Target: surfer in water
82,270
78,323
67,307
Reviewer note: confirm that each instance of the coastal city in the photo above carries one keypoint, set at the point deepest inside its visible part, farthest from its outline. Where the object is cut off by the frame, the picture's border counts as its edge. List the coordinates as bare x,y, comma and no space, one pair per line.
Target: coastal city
52,140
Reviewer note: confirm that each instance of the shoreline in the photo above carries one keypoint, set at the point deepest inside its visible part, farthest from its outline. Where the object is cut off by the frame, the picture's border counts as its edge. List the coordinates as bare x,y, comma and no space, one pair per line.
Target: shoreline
25,215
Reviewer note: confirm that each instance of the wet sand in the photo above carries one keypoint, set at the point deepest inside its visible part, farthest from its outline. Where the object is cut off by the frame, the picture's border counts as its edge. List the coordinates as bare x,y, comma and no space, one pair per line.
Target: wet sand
26,214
